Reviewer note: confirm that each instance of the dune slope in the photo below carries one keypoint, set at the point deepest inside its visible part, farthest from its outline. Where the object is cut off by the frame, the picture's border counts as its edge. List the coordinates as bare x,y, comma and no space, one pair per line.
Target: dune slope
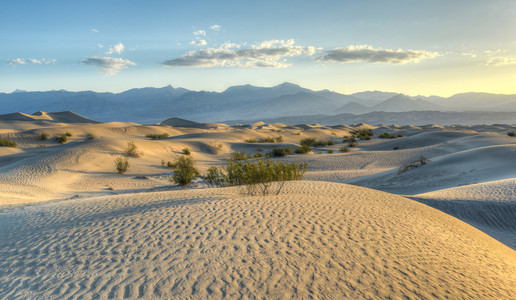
346,242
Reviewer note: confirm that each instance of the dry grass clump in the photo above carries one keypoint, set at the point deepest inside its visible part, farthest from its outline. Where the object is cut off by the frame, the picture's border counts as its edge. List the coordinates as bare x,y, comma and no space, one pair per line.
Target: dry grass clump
415,164
344,149
132,150
255,177
62,139
7,143
44,136
122,164
90,136
186,151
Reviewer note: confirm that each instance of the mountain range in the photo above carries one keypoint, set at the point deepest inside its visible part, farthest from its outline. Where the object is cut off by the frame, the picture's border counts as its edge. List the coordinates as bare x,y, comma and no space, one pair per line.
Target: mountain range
244,102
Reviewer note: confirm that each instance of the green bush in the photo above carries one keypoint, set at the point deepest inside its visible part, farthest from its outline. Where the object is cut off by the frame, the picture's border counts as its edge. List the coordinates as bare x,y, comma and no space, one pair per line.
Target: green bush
186,151
62,139
280,152
7,143
68,133
278,139
255,177
44,136
385,135
184,170
251,141
158,136
330,151
90,136
122,164
238,155
304,149
511,133
344,149
364,134
269,139
132,150
258,155
312,142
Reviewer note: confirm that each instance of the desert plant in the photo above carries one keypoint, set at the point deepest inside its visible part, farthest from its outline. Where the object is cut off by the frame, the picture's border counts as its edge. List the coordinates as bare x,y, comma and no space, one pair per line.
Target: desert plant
68,133
62,139
344,149
215,147
385,135
258,155
312,142
90,136
238,155
184,170
255,177
330,151
44,136
304,149
415,164
132,150
278,139
280,152
7,143
511,133
122,164
308,142
364,134
158,136
186,151
259,148
352,144
251,141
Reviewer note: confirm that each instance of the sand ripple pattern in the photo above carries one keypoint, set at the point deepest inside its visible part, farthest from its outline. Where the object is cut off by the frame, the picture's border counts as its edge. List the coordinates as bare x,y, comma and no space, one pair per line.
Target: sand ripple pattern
316,240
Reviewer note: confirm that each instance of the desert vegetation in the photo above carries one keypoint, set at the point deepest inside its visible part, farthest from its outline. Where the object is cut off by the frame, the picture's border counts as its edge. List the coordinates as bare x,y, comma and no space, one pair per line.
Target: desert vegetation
186,151
304,149
255,177
269,139
184,170
280,152
158,136
122,164
415,164
62,139
364,134
511,133
386,135
44,136
312,142
90,136
4,142
132,150
344,149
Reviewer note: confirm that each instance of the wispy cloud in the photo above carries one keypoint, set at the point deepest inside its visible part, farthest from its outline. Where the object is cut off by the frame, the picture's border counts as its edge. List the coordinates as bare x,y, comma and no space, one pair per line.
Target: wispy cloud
108,65
200,32
94,30
23,61
268,54
198,42
365,53
215,27
501,61
118,48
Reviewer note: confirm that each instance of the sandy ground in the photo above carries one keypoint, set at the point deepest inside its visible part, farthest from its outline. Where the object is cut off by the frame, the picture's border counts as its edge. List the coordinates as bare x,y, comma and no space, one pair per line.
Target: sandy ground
71,227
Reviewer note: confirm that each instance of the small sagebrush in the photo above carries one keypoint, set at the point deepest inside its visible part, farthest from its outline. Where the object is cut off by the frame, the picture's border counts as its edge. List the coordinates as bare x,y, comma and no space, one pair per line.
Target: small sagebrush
184,170
44,136
304,149
90,136
7,143
186,151
132,150
62,139
158,136
344,149
122,164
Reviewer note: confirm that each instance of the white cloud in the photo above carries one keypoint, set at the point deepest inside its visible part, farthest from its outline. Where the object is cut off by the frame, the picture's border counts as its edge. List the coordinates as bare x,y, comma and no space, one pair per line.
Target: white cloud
108,65
365,53
118,48
100,45
501,61
198,42
200,32
22,61
94,30
215,27
268,54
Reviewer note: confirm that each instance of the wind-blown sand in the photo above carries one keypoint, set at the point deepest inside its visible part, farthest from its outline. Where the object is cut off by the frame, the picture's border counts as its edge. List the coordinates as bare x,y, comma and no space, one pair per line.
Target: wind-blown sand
70,227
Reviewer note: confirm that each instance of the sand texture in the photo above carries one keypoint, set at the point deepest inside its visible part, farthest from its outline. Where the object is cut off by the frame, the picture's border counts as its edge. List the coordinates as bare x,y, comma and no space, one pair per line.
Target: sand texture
355,228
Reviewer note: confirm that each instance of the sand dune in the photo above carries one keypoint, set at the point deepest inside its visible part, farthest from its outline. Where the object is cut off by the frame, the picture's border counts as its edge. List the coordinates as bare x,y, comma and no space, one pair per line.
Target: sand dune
97,234
346,242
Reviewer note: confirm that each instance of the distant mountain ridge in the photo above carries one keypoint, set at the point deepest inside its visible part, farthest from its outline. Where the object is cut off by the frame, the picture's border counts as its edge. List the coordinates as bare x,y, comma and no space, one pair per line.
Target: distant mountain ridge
153,105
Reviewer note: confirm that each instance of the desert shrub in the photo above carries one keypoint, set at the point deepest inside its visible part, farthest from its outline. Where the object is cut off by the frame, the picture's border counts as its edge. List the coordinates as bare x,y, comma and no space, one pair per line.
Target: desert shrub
296,133
330,151
186,151
7,143
511,133
215,148
251,141
258,155
62,139
259,149
68,133
158,136
238,155
132,150
399,135
280,152
350,138
184,170
304,149
255,177
415,164
278,139
308,142
90,136
344,149
352,144
44,136
364,134
312,142
163,162
122,164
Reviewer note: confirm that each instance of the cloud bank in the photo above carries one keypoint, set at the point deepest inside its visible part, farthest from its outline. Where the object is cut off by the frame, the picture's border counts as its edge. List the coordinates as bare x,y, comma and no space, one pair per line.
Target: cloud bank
268,54
198,42
23,61
118,48
108,65
365,53
501,61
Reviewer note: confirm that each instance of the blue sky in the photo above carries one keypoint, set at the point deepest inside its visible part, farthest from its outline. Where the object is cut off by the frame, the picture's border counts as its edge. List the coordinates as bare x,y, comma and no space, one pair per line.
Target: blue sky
412,47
